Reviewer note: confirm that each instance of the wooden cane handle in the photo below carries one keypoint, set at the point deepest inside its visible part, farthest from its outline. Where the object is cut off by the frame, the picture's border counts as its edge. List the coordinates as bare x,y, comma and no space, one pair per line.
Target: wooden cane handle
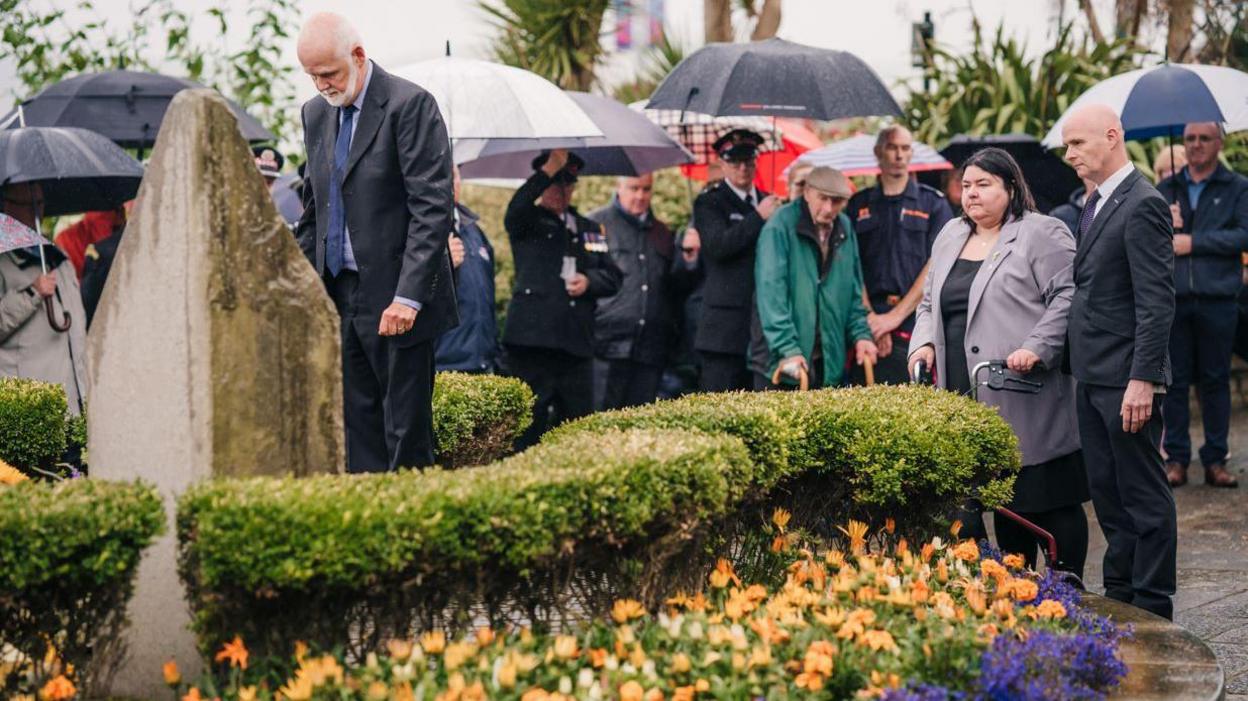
61,326
868,368
803,378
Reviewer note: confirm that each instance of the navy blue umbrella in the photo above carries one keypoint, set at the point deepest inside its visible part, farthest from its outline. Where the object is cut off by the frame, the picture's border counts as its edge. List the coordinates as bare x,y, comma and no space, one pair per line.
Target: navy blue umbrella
1161,100
774,78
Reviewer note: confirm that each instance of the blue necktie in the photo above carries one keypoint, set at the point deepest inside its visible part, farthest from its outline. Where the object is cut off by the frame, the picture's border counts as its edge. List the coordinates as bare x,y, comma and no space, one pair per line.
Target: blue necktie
335,240
1089,213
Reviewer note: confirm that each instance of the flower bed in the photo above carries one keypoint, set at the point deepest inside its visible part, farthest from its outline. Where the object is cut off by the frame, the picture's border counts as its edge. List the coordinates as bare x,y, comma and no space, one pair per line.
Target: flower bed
940,622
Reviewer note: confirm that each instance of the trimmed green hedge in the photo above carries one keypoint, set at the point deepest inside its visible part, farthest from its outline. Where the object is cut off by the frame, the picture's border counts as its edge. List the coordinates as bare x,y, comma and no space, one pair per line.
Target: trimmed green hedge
633,502
68,555
477,418
312,559
33,423
871,453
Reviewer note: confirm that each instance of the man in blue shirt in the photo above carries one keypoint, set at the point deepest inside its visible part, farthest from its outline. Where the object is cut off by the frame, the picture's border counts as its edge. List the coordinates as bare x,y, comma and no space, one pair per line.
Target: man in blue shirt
896,223
1209,204
473,345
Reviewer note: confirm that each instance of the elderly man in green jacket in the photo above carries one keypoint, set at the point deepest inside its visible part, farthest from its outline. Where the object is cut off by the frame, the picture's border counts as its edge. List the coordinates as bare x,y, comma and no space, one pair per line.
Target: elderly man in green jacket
809,286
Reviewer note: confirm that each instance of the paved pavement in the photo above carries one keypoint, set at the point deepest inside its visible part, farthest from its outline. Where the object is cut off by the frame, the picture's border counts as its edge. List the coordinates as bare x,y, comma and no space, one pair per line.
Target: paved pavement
1212,599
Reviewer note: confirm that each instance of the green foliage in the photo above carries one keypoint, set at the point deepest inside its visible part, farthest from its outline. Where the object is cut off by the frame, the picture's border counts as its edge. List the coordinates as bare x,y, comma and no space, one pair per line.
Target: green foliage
994,88
68,554
558,40
312,559
476,418
33,423
47,46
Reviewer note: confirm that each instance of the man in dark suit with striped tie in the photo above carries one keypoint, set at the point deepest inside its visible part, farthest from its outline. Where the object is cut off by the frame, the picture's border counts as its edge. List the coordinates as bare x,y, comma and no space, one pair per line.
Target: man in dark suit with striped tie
377,215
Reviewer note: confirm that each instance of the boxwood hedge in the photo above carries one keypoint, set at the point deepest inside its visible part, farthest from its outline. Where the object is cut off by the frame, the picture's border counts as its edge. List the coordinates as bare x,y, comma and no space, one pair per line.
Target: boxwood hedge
633,501
33,423
68,554
361,558
476,418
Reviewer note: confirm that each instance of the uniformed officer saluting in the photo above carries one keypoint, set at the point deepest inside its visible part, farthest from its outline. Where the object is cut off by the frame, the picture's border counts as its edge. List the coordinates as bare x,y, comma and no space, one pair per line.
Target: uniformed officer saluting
897,221
729,216
562,266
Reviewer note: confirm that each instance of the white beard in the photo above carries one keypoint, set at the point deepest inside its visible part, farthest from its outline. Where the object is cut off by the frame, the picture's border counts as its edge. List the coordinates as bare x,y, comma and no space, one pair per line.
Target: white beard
339,99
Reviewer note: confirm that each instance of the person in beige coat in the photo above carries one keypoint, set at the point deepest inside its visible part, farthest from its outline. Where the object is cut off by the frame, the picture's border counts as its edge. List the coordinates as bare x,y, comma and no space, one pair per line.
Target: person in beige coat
29,346
1000,287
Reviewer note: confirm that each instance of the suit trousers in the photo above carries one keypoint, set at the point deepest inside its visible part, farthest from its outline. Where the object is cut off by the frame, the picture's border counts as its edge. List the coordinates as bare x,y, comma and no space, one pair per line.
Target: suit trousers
387,390
1201,342
563,384
724,372
621,383
1132,500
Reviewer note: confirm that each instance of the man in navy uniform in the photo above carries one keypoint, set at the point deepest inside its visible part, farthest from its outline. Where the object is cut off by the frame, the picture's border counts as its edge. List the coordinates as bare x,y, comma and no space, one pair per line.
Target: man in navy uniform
729,216
896,221
562,267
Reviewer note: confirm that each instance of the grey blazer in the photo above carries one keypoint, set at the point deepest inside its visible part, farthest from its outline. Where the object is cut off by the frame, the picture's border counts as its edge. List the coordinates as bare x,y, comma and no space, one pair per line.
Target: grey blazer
1019,299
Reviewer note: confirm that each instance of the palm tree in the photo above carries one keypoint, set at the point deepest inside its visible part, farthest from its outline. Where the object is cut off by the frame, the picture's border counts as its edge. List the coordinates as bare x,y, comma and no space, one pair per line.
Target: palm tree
557,39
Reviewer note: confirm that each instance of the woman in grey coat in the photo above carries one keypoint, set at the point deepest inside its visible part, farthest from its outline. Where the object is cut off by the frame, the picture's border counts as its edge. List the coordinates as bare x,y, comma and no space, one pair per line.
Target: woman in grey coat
999,287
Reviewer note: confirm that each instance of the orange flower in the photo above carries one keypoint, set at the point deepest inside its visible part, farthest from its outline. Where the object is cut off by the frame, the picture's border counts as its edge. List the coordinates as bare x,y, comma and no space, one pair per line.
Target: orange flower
926,552
809,681
1051,609
631,691
192,695
535,694
857,533
173,677
10,475
59,688
966,550
1021,589
779,543
234,652
683,693
598,657
781,517
566,647
654,694
485,636
433,642
400,650
1014,561
956,527
878,640
723,575
625,610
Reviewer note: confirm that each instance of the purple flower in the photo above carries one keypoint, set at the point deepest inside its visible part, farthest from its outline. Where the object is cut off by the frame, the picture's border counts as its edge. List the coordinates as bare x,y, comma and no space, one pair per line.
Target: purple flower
1049,666
922,692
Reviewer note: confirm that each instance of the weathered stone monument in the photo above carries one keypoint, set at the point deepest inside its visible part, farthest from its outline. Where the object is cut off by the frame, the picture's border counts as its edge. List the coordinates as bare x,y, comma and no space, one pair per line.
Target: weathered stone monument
214,352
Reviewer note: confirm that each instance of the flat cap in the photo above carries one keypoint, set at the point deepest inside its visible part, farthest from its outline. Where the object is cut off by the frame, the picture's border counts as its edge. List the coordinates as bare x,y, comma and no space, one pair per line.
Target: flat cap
829,181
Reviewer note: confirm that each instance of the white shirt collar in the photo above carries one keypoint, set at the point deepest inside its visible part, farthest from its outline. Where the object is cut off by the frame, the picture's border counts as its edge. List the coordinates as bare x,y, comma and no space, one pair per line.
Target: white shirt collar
1111,183
753,191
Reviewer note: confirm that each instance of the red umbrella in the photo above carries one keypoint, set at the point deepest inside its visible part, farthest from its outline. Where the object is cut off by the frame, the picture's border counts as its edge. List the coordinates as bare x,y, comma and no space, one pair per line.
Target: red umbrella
797,139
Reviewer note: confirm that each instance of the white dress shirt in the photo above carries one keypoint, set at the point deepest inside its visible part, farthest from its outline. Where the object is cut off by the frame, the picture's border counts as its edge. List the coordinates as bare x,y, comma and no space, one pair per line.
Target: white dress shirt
752,192
1111,183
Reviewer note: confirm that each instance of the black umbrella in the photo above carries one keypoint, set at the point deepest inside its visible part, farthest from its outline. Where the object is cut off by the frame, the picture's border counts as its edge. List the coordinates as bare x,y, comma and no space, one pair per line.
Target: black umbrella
125,106
1050,178
774,78
77,171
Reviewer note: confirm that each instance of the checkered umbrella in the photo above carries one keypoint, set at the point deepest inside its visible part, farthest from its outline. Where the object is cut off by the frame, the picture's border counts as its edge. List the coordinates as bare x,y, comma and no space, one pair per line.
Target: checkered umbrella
696,131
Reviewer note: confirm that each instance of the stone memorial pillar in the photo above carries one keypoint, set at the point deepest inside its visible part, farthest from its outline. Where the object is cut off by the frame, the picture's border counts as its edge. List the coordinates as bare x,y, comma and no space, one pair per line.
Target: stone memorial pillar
214,352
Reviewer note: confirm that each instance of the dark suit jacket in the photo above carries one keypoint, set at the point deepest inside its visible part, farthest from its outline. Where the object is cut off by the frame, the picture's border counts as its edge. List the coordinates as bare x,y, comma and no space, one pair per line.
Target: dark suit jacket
729,229
397,192
1119,323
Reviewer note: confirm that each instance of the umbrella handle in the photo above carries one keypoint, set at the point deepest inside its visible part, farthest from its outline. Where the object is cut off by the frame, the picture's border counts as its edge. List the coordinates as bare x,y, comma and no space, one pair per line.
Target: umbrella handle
66,322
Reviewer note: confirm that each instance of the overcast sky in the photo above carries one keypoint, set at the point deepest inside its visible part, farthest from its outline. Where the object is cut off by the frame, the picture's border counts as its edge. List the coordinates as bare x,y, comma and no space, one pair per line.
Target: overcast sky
397,32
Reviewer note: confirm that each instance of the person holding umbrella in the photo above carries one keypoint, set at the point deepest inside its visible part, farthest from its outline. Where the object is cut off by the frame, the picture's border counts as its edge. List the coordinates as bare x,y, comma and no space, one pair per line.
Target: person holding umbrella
729,215
562,267
897,222
29,345
1209,207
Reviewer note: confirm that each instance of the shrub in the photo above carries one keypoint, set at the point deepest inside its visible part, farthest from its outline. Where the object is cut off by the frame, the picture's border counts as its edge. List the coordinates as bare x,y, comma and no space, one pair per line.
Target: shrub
68,554
896,624
476,418
33,427
850,453
548,534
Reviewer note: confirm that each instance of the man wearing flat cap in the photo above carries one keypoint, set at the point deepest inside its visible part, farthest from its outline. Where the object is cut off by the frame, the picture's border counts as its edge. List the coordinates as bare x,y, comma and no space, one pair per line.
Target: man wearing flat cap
729,216
562,267
809,286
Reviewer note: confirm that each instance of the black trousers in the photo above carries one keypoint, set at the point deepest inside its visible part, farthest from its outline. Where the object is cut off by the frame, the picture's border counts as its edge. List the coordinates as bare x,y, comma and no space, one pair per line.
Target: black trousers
1067,524
724,372
563,384
1132,500
1201,342
620,383
387,390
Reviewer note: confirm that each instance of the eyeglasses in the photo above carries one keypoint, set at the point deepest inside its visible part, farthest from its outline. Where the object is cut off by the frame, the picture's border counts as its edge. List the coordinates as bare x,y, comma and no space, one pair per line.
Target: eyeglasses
1202,138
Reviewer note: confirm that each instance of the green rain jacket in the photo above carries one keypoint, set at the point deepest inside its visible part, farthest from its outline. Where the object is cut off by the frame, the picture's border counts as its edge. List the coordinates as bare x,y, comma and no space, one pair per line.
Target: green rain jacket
794,292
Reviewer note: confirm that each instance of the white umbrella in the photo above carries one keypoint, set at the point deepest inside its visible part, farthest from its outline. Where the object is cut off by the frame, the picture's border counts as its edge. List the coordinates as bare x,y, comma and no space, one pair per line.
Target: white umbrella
856,156
484,100
1158,101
